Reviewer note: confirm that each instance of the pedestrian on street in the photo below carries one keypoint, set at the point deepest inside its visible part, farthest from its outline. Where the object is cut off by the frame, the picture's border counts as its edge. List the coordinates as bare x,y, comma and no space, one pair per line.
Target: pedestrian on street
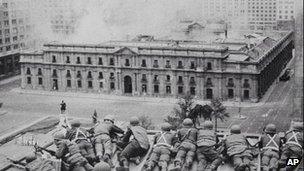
62,107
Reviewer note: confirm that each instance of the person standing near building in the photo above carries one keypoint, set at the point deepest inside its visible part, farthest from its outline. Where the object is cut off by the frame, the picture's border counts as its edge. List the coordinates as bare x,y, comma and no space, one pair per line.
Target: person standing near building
63,121
62,107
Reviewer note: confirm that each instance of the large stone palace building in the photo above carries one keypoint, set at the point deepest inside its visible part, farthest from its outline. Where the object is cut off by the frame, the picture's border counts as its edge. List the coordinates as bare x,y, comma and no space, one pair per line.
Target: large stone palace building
232,70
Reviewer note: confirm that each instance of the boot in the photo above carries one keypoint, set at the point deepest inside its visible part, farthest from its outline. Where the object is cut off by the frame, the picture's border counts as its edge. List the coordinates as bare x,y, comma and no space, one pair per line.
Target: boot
107,159
177,166
163,166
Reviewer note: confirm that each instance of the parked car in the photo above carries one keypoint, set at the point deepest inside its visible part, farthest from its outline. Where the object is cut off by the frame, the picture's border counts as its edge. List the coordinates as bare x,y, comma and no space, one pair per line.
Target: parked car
286,75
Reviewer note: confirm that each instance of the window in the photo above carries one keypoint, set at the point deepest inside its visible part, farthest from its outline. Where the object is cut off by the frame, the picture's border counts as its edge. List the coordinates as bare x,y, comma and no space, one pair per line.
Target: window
192,65
127,62
168,89
246,94
68,83
28,71
89,74
54,59
143,63
78,74
39,80
39,71
156,89
209,82
230,93
246,83
168,78
168,64
144,88
100,75
144,78
180,65
112,86
192,90
54,73
100,84
155,64
14,22
68,60
155,78
180,89
112,61
90,84
180,80
209,66
230,82
89,60
100,61
78,60
111,75
29,80
209,93
68,74
192,80
79,83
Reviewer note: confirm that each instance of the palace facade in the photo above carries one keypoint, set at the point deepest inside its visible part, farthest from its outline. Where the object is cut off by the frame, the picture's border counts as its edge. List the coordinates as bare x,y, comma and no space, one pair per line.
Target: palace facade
147,67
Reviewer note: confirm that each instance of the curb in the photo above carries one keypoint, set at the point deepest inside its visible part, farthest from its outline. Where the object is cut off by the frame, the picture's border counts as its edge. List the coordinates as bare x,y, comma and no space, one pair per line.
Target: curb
7,137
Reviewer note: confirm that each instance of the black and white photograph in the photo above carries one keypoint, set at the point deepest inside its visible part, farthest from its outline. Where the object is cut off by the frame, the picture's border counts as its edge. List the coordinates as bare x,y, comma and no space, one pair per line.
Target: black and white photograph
151,85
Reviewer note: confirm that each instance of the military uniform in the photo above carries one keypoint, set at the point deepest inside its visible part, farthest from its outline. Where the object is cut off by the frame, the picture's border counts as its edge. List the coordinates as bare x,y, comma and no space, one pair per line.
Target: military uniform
237,149
138,146
80,137
69,153
40,164
293,147
270,145
187,137
206,152
102,138
163,144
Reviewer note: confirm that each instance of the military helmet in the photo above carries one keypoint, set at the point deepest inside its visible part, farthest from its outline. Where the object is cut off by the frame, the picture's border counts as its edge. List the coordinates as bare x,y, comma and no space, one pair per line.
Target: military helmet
165,126
208,125
235,129
30,158
75,123
134,120
270,129
297,126
59,135
109,118
187,122
102,166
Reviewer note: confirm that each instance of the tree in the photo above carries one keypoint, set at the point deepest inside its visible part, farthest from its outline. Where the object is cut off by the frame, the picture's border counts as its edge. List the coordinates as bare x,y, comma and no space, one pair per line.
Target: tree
180,112
219,111
146,122
200,111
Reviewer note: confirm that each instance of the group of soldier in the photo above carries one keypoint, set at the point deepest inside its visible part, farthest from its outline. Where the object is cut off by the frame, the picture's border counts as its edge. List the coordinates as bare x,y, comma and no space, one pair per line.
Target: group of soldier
91,149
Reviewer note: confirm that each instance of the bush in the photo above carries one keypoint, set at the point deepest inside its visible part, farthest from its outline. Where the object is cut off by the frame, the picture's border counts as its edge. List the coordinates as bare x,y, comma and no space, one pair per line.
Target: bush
146,122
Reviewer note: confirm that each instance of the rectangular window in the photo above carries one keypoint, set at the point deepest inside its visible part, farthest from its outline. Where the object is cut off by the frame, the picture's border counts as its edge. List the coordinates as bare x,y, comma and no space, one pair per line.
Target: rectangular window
246,94
192,65
100,84
180,89
100,76
192,80
29,80
112,86
155,64
144,78
230,93
209,66
127,62
144,88
143,63
78,60
89,60
168,89
168,64
168,78
79,83
100,61
40,81
192,90
112,61
156,89
180,80
68,60
68,83
209,93
90,84
54,59
180,65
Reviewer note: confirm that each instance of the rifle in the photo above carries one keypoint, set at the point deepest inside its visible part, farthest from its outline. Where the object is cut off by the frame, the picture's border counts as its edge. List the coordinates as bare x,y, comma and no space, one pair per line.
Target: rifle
16,162
38,148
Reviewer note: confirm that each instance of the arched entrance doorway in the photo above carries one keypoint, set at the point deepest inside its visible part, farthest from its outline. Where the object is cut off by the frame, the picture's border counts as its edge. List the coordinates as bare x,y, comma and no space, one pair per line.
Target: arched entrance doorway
128,84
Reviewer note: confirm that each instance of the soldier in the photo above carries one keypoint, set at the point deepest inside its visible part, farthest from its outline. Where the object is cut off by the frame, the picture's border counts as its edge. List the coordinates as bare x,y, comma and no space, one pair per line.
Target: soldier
187,137
270,144
80,137
237,149
102,166
102,139
136,147
163,144
206,152
69,153
293,147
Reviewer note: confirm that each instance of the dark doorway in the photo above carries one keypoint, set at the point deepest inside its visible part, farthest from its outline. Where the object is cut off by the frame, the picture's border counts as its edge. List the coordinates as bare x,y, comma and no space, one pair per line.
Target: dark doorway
246,94
128,84
209,93
230,93
55,84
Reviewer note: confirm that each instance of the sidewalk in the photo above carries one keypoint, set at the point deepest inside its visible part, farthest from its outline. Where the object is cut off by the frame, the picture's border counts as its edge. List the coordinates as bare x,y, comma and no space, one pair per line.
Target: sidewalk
11,79
126,98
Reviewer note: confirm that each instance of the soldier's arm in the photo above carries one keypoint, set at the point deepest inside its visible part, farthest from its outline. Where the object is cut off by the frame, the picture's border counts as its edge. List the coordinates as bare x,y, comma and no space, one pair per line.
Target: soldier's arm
116,129
60,152
127,135
174,140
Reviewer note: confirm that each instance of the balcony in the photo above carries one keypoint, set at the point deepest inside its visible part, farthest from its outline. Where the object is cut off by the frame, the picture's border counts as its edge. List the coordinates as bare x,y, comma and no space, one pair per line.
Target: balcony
230,84
155,66
180,82
192,82
167,66
144,80
156,81
143,65
180,67
246,85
